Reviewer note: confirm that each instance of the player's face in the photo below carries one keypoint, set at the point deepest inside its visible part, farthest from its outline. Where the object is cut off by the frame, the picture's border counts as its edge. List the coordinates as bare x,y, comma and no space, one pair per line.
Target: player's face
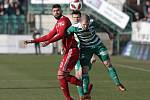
85,24
76,18
148,10
57,12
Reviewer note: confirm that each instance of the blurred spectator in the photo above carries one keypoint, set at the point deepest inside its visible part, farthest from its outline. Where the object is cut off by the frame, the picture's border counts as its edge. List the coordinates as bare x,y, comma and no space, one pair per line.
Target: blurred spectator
36,34
145,7
11,1
148,15
11,7
6,6
22,2
137,16
2,10
10,10
17,9
17,12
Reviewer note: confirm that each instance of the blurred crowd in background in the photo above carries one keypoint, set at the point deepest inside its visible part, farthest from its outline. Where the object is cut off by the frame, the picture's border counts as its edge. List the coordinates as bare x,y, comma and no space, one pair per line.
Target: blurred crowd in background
11,7
146,10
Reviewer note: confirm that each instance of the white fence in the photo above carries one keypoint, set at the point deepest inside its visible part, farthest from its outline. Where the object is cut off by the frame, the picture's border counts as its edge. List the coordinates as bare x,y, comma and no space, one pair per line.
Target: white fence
13,44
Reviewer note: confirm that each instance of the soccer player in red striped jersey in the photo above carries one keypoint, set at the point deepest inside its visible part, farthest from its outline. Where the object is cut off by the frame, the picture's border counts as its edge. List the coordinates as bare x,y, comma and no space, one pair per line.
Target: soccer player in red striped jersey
70,47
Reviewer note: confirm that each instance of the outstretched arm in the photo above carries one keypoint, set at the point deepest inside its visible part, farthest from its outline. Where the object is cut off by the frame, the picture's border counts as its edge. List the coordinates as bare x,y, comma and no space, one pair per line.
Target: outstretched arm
50,35
43,38
55,38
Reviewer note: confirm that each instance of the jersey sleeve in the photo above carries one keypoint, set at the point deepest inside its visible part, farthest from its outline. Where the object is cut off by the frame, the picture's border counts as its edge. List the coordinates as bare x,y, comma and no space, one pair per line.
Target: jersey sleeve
46,37
71,30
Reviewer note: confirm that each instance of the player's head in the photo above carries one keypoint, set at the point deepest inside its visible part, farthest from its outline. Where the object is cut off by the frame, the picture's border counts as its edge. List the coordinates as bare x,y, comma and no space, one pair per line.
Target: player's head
76,15
57,11
85,20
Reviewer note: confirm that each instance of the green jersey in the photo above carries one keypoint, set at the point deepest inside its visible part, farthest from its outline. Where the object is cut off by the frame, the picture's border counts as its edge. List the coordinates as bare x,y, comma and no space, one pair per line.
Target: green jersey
87,38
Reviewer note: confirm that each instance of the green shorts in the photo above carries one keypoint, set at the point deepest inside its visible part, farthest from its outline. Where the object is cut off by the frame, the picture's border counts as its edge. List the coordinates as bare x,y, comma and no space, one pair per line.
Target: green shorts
87,53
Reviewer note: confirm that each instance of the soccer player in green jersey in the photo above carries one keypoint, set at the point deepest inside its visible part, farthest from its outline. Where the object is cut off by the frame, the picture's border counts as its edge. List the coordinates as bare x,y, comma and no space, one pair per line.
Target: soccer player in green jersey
76,15
91,44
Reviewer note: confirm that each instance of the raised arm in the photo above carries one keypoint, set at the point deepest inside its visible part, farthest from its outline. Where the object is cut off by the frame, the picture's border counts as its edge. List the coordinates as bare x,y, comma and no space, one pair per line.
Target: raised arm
43,38
50,35
57,37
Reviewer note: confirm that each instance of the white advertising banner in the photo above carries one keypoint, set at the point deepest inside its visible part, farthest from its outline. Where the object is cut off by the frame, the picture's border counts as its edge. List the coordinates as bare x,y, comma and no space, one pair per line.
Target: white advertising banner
14,44
50,1
141,32
108,11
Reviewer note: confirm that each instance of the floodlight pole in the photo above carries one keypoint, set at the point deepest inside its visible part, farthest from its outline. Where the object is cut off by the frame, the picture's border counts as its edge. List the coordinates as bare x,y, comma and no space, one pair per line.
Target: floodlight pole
118,41
118,44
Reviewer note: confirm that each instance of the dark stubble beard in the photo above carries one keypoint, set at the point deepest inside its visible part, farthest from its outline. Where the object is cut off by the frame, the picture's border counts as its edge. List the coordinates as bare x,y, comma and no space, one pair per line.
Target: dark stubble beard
58,17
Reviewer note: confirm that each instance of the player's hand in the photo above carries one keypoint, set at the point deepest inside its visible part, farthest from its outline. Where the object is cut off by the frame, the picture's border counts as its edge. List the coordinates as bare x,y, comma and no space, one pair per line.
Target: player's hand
62,51
93,59
44,44
27,42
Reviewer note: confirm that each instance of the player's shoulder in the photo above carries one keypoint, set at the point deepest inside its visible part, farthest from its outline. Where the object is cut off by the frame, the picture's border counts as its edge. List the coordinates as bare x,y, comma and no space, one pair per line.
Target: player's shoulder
64,21
64,18
75,28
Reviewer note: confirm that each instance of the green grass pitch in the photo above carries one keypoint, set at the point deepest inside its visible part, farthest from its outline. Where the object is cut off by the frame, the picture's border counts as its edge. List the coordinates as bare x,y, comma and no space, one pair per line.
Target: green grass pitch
31,77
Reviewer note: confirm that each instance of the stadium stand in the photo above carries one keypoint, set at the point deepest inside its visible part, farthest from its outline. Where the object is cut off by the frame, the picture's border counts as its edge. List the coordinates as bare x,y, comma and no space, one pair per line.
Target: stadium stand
12,17
9,8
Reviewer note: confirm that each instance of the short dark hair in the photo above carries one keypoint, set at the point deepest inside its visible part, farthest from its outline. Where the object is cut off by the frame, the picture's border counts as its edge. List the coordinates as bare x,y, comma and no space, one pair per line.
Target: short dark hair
76,12
56,6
